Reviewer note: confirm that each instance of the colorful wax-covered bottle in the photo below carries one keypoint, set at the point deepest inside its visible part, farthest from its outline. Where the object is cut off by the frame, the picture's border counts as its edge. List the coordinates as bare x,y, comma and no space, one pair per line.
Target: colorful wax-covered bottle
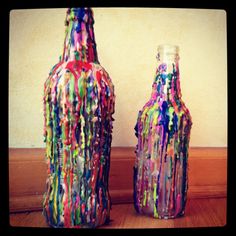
163,132
78,107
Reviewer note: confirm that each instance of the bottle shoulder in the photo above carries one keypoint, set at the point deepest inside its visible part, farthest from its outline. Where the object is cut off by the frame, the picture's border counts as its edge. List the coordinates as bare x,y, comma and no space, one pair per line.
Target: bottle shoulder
157,108
66,72
76,66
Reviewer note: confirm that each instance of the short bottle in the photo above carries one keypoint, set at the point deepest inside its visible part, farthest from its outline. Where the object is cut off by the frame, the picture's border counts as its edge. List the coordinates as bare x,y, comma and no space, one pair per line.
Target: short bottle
163,132
78,108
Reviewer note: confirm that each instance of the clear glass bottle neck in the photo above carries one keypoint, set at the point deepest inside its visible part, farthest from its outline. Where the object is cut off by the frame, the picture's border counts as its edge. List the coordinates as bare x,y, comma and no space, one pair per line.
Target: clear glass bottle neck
168,54
166,84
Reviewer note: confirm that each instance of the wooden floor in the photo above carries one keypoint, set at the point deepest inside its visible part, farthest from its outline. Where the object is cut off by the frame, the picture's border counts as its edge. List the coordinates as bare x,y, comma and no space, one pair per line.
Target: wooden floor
199,213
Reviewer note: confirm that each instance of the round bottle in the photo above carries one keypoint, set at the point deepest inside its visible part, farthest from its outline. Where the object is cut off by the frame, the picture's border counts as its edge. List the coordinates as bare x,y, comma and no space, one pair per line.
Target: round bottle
163,132
78,107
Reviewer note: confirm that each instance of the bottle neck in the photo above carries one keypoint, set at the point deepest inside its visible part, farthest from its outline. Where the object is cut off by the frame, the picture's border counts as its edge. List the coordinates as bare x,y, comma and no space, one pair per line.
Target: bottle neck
79,41
166,85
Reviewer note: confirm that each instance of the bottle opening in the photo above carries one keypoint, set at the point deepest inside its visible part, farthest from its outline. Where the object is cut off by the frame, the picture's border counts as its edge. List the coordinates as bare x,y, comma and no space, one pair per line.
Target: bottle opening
167,52
168,49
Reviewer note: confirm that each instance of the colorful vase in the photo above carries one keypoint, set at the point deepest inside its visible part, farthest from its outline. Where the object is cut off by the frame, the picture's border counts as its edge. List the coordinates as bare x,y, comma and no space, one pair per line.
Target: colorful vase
163,132
78,107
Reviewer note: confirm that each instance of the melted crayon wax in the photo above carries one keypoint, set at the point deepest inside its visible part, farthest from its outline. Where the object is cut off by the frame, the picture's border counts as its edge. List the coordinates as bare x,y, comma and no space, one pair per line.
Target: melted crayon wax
163,131
78,107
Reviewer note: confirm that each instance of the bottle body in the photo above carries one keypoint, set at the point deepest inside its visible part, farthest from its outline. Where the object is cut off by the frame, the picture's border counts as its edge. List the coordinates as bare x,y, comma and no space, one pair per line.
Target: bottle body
78,108
163,132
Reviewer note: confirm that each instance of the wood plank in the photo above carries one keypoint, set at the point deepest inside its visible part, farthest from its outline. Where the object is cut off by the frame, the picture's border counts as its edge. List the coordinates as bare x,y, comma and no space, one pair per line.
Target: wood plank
199,213
26,202
28,172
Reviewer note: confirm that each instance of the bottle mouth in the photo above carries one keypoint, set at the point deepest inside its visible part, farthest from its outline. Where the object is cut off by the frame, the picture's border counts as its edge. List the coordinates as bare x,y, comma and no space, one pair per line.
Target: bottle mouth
168,49
167,53
84,14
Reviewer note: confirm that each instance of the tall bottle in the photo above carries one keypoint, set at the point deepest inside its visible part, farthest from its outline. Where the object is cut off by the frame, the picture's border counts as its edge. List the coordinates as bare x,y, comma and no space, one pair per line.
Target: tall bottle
163,132
78,107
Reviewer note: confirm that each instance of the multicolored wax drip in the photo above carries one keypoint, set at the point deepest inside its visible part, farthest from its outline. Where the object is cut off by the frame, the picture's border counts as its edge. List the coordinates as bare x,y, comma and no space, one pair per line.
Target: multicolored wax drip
163,132
78,106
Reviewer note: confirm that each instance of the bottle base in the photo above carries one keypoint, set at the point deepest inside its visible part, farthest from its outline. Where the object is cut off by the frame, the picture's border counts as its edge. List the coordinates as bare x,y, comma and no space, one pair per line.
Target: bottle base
167,217
164,216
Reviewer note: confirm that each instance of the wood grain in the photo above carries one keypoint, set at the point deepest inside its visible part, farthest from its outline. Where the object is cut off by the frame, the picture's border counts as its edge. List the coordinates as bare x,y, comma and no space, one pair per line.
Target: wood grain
199,213
28,172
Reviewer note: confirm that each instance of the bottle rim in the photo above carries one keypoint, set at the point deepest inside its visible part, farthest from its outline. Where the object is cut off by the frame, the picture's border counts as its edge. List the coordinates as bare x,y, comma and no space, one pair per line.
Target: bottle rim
168,48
